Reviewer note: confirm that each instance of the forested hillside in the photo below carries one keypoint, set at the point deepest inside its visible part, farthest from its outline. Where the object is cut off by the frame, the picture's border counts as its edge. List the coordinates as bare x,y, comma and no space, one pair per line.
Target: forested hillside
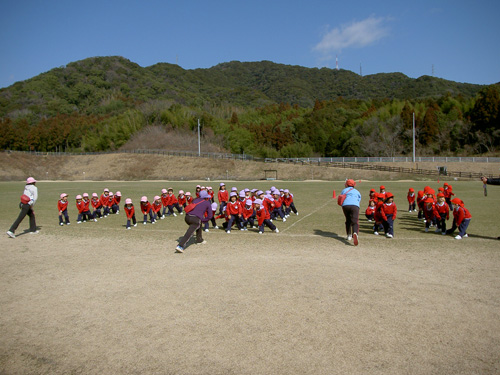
258,108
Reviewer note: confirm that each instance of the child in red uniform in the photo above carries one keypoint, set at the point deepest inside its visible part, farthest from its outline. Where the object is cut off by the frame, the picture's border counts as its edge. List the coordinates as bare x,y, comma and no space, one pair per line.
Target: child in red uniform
62,207
233,211
86,209
248,215
428,209
263,217
222,196
461,219
96,205
156,207
116,203
370,210
147,210
288,203
442,213
112,205
389,212
105,201
448,193
80,206
377,217
382,191
277,211
373,195
181,198
130,212
411,200
173,203
420,204
189,198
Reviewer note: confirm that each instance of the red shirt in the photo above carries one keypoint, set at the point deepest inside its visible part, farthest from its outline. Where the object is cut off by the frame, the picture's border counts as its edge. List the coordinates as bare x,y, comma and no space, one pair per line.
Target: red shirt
460,214
62,206
129,211
223,196
388,209
96,203
370,210
428,211
156,206
181,199
411,197
262,215
234,208
145,207
80,206
247,212
287,200
442,209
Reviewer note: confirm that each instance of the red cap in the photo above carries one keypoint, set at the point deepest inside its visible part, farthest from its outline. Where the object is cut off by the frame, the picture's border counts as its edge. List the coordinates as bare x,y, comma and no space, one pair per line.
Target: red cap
350,182
388,195
440,195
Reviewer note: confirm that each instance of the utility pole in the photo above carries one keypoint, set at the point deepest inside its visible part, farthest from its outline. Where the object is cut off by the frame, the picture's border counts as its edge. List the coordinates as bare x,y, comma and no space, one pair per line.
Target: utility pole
199,144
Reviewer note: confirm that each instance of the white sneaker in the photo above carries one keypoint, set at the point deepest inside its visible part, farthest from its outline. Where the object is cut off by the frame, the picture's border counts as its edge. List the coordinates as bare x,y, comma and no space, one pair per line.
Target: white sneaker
206,230
349,238
95,220
179,249
153,222
144,223
201,243
182,213
162,217
459,237
375,233
175,214
216,227
277,230
135,224
284,219
128,228
68,223
117,212
228,231
61,224
78,222
297,214
466,235
35,232
260,232
388,235
409,210
11,234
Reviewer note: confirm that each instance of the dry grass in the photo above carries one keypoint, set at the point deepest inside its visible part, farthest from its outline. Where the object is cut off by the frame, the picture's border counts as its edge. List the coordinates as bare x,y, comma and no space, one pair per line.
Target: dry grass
96,299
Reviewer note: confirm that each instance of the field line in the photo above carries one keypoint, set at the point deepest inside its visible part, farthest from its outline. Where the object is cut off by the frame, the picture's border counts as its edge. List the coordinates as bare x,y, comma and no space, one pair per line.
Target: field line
304,217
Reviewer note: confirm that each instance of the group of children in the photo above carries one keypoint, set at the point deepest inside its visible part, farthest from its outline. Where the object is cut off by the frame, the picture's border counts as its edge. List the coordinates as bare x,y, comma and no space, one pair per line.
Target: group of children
434,209
241,210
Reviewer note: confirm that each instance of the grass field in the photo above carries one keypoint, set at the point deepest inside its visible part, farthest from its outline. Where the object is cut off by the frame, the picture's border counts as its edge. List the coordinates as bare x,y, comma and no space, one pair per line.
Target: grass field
95,298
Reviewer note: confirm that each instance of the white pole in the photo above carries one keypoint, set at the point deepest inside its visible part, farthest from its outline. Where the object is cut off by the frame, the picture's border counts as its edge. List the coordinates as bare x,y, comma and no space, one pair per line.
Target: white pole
199,145
414,137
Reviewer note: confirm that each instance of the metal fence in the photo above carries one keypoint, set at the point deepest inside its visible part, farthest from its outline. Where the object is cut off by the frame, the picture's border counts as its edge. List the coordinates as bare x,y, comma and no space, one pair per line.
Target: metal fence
214,155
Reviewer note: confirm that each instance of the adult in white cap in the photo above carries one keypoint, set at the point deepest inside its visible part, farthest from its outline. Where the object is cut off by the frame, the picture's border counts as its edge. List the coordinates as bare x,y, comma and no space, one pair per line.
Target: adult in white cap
28,200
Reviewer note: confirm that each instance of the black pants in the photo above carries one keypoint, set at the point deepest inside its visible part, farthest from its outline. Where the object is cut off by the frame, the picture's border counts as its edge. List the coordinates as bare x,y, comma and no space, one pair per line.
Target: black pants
25,210
194,223
351,214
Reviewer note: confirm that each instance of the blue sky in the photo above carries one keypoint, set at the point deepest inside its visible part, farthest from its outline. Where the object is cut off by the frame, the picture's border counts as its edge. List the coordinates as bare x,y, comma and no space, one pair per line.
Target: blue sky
457,40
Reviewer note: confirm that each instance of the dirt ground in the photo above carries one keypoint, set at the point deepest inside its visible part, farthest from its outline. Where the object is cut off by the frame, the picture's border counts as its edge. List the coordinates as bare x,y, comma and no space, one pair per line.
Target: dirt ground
287,303
133,167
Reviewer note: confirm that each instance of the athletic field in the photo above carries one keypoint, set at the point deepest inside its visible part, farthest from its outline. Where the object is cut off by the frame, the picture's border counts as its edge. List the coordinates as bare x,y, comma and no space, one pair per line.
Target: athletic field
95,298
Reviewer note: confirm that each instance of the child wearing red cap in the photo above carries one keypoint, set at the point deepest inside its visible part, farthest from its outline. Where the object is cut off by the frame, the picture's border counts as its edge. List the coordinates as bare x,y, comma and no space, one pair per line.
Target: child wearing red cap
389,212
448,193
130,212
370,210
411,200
378,226
442,213
62,207
461,219
420,204
429,217
382,191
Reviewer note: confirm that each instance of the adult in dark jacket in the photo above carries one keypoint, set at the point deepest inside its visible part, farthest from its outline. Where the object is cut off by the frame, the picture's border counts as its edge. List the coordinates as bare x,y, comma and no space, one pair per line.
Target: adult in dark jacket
195,218
490,181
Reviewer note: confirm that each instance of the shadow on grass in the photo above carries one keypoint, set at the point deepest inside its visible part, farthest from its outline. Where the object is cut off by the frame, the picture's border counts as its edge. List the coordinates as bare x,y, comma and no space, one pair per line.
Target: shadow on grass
335,236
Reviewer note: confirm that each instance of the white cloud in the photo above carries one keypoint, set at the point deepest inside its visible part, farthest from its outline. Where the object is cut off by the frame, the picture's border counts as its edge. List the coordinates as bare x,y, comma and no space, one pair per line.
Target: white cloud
356,34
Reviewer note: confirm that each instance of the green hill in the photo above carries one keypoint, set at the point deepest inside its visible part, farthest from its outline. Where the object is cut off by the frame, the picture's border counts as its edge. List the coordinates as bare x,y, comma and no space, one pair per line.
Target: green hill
101,85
